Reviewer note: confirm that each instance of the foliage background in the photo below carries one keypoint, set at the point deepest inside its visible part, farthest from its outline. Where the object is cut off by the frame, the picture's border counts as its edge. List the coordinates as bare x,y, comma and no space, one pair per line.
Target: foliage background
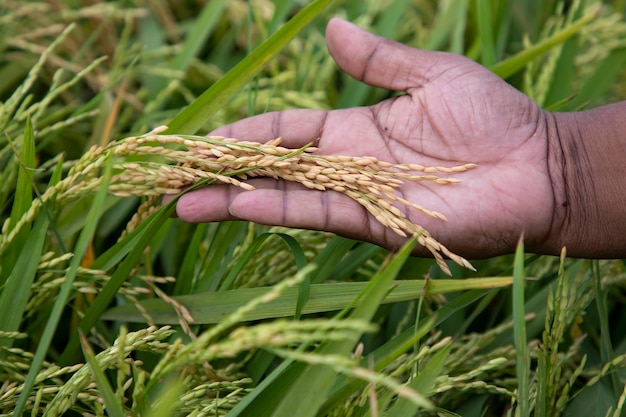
78,73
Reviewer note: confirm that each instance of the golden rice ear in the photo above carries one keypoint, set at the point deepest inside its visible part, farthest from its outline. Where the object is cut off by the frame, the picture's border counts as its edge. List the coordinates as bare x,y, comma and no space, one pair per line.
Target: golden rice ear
177,162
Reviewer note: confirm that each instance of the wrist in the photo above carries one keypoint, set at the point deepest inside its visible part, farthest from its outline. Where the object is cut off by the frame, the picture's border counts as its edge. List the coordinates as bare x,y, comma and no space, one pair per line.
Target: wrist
586,152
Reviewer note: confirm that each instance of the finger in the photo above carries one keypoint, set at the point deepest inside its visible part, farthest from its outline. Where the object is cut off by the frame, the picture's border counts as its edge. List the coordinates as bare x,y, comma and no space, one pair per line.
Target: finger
214,203
272,202
378,61
280,203
209,204
331,131
309,209
297,127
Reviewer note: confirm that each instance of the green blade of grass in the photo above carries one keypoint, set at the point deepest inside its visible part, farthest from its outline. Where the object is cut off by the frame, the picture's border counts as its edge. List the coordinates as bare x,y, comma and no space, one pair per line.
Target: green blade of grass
483,305
606,345
502,27
300,259
61,301
355,93
195,39
354,259
187,273
380,358
245,257
210,307
394,348
113,407
302,387
16,291
309,385
304,289
601,81
281,10
121,274
22,198
195,115
168,399
564,72
449,26
23,191
219,255
422,383
485,32
17,261
116,253
330,257
515,63
14,296
296,250
519,330
11,105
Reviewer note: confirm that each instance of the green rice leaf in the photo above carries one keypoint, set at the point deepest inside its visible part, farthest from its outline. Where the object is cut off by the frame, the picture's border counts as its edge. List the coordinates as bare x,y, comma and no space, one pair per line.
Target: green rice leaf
18,268
245,257
195,115
113,407
380,358
354,259
24,188
121,274
16,291
24,150
215,263
519,330
281,10
355,93
607,352
305,387
304,288
562,73
60,303
422,383
210,307
330,257
485,32
449,26
195,39
187,272
515,63
596,87
167,400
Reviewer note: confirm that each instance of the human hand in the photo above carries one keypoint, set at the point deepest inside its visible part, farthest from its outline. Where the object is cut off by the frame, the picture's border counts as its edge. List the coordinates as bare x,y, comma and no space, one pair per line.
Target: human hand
454,111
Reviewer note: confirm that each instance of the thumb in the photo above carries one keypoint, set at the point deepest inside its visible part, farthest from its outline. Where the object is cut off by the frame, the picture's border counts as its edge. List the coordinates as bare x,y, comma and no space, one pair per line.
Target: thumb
377,61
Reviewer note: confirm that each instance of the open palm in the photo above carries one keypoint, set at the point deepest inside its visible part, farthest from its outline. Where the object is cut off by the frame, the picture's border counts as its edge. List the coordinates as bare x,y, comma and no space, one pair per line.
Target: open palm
453,112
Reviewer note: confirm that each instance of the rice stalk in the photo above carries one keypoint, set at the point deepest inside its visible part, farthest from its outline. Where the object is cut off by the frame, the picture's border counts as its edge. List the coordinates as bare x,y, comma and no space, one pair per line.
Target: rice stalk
273,262
170,164
60,388
150,339
52,271
348,367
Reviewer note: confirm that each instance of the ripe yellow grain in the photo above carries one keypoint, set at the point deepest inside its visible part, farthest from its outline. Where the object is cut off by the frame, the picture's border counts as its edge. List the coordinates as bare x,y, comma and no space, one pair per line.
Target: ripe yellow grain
184,160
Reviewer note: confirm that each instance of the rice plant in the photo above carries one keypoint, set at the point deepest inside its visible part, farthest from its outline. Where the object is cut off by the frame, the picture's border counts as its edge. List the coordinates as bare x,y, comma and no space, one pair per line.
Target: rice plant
111,306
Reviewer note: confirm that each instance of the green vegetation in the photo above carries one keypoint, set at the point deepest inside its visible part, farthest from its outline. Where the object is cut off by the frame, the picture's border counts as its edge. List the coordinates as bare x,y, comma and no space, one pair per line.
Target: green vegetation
109,306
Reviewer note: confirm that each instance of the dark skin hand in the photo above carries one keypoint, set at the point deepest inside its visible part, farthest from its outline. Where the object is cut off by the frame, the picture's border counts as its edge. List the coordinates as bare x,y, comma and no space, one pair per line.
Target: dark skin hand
454,111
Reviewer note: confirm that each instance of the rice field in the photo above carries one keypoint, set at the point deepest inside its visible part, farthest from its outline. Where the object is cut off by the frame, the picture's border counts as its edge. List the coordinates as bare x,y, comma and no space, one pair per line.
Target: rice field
110,305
